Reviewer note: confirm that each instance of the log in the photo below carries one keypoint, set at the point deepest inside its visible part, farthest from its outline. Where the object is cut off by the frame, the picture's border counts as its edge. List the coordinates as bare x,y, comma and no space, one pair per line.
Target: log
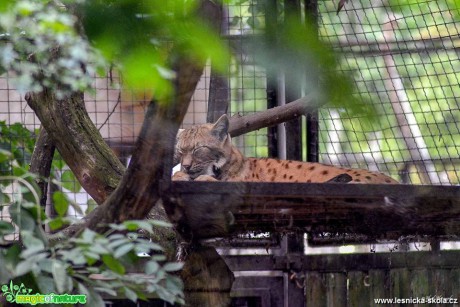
243,124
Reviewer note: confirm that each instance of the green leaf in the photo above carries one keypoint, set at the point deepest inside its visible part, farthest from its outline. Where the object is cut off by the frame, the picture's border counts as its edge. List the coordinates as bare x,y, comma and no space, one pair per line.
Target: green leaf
24,267
5,273
5,155
92,297
123,250
70,182
88,235
98,249
45,284
91,205
151,267
130,294
173,266
113,264
30,240
4,198
58,223
5,228
160,223
22,218
61,203
114,243
60,276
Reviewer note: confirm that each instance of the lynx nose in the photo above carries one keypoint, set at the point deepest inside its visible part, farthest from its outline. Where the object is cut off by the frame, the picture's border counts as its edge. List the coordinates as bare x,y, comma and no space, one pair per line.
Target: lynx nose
186,167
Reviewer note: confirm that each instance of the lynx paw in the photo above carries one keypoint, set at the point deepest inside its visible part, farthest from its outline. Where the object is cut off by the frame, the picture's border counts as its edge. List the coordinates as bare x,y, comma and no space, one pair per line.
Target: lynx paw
180,176
205,178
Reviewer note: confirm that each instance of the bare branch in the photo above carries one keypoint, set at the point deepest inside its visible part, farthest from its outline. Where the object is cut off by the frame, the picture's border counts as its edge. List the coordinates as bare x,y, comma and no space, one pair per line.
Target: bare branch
243,124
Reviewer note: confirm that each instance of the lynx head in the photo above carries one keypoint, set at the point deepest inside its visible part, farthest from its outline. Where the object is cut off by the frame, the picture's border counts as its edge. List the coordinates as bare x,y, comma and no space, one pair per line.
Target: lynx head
204,149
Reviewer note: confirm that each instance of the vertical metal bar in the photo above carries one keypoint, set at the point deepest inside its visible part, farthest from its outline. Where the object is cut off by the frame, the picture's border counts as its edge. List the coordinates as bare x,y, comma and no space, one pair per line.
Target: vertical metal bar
293,88
219,96
271,22
312,133
219,92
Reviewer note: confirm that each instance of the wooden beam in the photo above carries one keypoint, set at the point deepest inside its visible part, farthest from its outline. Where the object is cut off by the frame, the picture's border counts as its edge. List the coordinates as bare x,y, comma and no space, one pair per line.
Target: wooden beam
345,262
215,209
243,124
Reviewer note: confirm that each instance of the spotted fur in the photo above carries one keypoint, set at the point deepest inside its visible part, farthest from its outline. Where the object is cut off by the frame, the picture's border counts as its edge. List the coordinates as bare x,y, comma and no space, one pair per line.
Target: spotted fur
206,153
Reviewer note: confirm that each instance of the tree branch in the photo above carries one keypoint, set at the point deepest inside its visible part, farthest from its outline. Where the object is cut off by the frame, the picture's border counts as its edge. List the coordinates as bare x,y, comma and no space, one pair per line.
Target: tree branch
243,124
78,141
40,163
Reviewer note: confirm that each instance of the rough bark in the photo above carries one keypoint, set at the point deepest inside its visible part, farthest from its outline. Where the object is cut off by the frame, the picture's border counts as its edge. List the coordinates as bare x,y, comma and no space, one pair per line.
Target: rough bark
79,142
40,163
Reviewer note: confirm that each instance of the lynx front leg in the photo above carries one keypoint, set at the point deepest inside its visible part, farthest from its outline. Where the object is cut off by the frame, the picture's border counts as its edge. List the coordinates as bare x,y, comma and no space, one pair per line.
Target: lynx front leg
205,178
181,176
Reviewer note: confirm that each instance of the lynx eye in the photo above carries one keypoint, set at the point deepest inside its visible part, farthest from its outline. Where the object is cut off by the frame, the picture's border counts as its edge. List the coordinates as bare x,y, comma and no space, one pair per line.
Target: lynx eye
201,152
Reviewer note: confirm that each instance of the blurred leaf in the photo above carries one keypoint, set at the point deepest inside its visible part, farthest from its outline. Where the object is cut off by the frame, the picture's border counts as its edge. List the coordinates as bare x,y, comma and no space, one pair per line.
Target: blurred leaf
70,182
123,250
151,267
45,284
4,199
5,228
22,218
60,276
92,297
5,155
32,244
161,223
61,203
91,205
130,294
24,267
173,266
113,264
58,223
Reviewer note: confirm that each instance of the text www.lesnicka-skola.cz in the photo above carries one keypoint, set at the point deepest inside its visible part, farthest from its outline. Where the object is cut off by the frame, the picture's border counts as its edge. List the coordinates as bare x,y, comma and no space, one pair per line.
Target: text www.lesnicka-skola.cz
417,300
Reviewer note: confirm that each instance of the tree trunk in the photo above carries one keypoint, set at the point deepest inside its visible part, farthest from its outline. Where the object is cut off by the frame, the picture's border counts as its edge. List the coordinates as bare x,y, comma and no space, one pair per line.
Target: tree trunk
148,175
79,142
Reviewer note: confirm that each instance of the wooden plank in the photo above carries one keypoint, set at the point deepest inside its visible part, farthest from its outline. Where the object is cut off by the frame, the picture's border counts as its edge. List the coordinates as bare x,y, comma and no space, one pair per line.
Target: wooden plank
294,290
336,289
420,285
400,284
315,289
447,260
455,284
318,208
441,284
379,281
359,289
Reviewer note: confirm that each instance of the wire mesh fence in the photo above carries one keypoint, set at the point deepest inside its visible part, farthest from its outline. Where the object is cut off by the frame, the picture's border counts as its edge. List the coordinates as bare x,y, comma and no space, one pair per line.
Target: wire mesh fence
403,59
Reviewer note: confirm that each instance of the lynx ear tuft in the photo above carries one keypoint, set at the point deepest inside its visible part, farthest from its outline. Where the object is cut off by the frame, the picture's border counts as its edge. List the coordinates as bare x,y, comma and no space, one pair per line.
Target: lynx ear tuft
220,128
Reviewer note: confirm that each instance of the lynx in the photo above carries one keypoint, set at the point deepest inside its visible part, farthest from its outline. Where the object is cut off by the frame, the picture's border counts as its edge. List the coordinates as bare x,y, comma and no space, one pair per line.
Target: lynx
206,153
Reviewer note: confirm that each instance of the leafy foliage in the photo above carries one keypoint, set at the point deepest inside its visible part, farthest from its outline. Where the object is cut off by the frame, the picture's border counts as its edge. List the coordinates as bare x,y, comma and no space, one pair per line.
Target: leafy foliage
91,263
42,46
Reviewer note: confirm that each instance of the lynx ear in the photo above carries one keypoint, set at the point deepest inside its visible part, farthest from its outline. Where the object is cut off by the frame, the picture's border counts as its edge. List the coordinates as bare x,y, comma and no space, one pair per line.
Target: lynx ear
220,128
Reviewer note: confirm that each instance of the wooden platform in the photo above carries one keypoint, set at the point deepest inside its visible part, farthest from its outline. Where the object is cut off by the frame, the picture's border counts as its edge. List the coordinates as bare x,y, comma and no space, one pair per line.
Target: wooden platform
366,212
